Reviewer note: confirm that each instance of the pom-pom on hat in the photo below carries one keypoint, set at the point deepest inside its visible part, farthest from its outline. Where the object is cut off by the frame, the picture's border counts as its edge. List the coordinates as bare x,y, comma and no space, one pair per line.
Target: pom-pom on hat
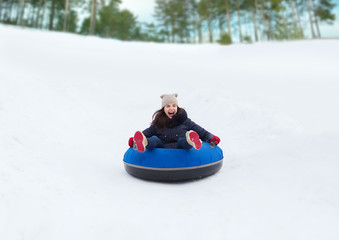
168,99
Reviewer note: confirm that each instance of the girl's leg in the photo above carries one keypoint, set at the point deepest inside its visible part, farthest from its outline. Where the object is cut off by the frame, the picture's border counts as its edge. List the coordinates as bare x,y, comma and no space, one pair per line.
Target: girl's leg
183,144
141,142
192,139
154,142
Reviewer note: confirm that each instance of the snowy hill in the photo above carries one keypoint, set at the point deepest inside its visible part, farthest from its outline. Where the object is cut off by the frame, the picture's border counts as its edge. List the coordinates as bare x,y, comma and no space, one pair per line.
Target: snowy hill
68,105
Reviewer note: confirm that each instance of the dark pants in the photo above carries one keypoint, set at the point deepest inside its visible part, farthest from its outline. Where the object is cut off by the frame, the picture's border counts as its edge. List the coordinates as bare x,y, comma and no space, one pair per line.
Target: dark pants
155,142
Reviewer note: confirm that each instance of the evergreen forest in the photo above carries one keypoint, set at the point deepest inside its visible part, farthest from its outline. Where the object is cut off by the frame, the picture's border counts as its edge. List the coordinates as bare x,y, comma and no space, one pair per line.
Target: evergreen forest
177,21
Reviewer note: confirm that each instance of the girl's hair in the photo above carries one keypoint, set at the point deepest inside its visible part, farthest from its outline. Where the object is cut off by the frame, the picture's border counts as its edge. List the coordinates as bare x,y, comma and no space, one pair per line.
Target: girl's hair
160,119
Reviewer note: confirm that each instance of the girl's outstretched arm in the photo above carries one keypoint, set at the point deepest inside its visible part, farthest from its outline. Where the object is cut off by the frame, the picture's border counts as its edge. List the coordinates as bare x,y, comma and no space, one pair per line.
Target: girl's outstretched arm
204,135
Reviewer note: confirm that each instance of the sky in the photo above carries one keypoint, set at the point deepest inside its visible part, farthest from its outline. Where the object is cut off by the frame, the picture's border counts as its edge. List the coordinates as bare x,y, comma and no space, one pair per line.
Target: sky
144,10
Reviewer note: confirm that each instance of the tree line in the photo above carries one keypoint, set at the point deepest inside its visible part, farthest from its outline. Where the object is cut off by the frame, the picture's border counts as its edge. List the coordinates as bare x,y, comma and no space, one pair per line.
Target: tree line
176,21
245,20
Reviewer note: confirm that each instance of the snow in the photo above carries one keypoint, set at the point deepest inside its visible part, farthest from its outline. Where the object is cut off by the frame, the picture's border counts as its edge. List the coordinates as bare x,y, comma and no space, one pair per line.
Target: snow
69,103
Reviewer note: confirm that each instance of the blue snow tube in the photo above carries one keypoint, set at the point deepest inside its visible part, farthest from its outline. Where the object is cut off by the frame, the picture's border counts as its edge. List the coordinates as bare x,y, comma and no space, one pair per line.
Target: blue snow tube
162,164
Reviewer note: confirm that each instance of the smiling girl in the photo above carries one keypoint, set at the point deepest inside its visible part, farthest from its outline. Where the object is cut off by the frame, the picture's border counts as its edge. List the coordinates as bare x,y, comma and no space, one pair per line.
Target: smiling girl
171,128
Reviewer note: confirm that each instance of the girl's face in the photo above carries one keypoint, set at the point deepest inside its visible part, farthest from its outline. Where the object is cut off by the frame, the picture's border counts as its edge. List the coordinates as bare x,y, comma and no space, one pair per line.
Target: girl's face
171,110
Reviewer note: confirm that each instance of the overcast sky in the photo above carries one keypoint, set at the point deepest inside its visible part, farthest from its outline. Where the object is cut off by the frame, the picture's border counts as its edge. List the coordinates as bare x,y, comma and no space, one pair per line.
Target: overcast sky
144,10
141,8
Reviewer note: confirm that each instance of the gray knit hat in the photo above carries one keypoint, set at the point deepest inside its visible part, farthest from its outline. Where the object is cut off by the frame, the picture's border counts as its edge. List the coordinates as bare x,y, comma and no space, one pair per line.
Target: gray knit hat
168,99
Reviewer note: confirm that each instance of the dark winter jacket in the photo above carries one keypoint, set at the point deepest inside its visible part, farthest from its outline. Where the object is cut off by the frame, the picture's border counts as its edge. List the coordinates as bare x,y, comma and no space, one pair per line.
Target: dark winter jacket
180,124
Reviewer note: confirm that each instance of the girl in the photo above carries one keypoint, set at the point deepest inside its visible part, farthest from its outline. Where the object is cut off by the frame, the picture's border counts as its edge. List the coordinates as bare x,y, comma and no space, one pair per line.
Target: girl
171,128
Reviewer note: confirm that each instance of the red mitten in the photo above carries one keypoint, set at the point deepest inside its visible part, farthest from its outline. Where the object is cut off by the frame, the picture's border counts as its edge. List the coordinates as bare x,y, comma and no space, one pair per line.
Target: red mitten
130,142
215,140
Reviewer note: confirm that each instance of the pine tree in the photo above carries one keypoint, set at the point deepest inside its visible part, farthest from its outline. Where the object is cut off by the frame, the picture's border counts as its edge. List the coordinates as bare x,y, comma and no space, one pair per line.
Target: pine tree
322,11
228,14
93,17
66,15
206,11
162,18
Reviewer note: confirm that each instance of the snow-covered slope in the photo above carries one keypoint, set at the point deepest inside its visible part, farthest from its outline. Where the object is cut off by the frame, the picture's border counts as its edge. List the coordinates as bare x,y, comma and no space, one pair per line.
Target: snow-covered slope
68,105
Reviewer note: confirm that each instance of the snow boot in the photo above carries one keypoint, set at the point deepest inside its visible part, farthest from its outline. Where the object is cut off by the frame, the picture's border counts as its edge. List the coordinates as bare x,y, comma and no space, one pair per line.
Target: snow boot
193,139
140,141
